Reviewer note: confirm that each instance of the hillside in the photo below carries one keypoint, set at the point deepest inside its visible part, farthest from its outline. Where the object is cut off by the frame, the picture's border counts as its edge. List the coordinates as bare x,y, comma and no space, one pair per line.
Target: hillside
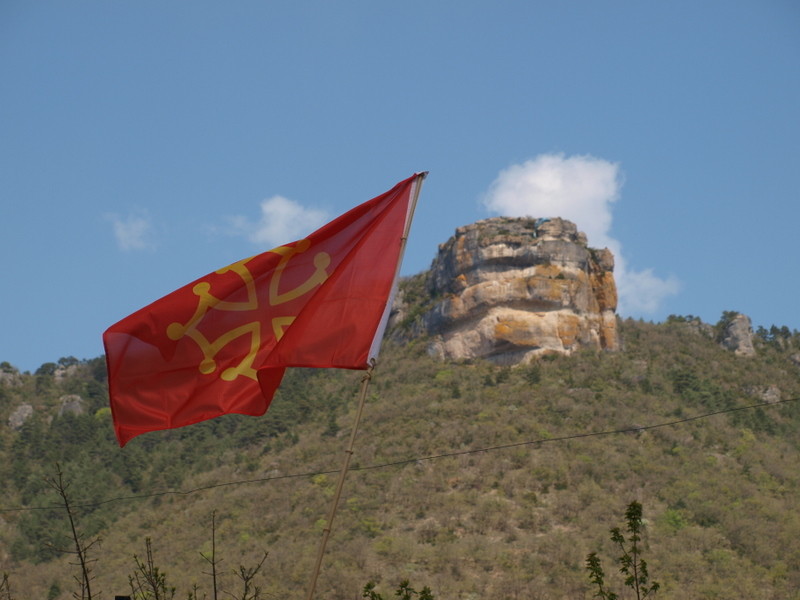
720,494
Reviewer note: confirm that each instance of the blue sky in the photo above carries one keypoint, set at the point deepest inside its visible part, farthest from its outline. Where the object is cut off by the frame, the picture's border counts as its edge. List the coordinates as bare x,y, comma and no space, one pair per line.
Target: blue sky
144,144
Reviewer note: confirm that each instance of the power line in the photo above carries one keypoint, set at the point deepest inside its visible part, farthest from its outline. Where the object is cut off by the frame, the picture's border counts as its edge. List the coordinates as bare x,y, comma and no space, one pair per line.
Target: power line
635,429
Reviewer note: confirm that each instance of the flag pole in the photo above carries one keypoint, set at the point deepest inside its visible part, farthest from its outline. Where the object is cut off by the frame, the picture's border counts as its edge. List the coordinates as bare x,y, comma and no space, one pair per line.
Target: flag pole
418,188
348,453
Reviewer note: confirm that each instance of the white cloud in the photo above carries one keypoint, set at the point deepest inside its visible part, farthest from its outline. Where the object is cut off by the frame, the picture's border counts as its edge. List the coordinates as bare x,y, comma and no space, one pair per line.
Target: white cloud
581,189
641,292
133,233
282,220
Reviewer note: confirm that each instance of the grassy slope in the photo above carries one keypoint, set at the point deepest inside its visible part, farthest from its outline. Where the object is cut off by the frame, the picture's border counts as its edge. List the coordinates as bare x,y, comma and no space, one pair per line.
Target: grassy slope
720,495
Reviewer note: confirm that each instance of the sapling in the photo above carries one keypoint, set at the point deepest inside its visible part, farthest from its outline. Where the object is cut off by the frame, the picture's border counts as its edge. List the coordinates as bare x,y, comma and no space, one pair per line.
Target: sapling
632,565
81,550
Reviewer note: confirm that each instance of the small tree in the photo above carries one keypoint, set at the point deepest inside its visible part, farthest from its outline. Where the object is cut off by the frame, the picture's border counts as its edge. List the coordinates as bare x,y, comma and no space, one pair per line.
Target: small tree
404,591
5,588
212,560
633,566
148,582
81,551
728,316
250,591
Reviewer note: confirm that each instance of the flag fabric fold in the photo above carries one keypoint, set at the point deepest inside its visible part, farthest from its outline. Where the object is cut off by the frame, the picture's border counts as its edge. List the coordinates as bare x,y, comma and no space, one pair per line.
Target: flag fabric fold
221,344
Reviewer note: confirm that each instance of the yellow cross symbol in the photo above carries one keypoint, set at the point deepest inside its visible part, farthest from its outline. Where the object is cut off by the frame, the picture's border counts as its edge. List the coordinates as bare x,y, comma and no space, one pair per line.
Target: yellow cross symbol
206,302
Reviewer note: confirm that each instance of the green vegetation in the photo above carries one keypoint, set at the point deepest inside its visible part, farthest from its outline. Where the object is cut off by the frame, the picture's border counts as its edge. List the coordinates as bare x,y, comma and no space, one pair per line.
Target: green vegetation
722,494
727,318
634,567
148,582
404,591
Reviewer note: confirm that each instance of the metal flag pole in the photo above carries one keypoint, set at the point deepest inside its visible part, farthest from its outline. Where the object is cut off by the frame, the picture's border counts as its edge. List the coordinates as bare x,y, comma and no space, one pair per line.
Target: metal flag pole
348,453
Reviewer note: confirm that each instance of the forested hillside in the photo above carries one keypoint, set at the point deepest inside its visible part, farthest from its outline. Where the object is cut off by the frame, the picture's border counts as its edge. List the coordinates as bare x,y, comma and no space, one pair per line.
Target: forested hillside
721,494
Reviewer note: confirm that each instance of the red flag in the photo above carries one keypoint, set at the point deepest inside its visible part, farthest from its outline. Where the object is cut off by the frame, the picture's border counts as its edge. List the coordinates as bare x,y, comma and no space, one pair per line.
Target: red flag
221,344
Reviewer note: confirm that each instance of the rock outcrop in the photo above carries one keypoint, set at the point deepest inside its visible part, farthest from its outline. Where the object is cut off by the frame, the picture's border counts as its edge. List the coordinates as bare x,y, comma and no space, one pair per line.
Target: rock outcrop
511,289
739,336
21,414
770,394
9,375
71,404
697,326
64,372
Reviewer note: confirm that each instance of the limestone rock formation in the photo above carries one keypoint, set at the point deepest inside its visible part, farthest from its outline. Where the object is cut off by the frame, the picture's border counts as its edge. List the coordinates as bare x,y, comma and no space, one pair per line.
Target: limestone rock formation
739,336
510,289
21,414
9,375
64,372
697,326
71,404
770,394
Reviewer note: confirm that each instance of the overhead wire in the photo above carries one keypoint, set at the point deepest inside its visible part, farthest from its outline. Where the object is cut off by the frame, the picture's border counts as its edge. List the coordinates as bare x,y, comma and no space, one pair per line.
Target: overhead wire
551,440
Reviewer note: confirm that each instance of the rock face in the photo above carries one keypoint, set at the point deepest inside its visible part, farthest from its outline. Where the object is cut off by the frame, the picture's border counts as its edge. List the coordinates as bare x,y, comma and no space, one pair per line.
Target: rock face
739,336
62,373
71,404
770,394
510,289
700,328
21,414
10,377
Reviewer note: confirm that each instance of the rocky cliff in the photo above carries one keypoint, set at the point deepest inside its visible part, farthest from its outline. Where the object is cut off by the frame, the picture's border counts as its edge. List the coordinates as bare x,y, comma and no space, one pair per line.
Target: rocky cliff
738,336
510,289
